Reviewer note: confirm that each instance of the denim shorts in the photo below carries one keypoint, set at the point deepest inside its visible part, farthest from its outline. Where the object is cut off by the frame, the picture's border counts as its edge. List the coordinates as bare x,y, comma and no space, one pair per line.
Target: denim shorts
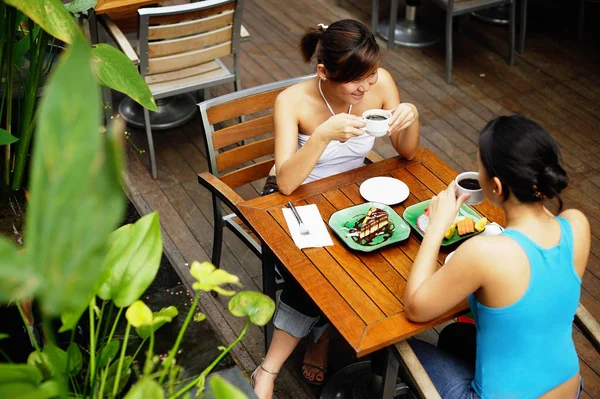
295,323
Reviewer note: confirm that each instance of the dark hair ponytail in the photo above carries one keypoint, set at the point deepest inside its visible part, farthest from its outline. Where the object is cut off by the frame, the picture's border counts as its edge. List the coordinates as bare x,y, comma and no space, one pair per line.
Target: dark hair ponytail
525,158
346,48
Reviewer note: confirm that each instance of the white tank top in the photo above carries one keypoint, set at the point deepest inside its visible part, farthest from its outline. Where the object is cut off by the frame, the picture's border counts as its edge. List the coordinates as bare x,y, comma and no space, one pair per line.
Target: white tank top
339,157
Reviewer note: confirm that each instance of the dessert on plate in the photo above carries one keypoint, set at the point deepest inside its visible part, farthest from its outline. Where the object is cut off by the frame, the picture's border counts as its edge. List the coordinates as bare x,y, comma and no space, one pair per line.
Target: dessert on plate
375,222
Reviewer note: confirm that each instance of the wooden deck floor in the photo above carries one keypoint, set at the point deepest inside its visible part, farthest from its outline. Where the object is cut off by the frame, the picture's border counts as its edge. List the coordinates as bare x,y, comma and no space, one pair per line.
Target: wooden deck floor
556,82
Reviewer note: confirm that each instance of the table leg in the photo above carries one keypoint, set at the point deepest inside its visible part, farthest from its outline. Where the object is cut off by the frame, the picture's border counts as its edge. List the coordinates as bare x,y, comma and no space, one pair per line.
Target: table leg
269,287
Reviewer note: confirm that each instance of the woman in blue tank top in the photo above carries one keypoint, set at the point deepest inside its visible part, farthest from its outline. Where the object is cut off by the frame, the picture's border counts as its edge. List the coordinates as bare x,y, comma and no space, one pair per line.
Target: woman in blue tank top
523,286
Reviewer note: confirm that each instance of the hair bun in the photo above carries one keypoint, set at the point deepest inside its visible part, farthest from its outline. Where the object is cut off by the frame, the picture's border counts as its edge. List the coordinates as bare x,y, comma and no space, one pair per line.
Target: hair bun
554,179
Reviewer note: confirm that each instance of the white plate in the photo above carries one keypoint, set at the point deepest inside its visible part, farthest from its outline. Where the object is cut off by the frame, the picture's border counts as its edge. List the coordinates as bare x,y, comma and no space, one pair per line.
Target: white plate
492,229
385,190
448,257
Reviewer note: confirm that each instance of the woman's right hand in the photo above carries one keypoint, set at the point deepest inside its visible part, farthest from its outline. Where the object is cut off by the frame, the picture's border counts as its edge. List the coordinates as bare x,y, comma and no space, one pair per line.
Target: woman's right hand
341,127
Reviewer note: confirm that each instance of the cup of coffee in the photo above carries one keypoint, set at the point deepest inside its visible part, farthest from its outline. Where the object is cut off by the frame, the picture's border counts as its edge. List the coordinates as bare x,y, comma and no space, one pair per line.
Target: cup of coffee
468,183
376,122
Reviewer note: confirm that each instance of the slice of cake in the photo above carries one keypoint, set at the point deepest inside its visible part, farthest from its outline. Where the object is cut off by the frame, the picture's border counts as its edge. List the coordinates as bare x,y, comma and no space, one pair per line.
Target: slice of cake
374,222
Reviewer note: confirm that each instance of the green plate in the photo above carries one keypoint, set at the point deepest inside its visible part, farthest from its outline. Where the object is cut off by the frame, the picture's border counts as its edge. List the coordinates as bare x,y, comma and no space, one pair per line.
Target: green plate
414,211
343,221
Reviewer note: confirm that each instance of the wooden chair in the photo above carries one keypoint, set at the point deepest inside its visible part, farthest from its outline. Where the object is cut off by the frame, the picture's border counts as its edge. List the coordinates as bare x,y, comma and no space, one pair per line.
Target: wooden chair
178,49
232,165
455,8
422,384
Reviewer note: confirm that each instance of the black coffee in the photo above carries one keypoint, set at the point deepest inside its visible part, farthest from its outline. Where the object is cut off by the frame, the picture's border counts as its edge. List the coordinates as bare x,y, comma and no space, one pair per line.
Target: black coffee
470,184
376,118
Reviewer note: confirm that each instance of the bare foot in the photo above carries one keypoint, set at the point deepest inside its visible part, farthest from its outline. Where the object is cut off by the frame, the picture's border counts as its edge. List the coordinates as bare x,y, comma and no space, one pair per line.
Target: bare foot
264,384
314,365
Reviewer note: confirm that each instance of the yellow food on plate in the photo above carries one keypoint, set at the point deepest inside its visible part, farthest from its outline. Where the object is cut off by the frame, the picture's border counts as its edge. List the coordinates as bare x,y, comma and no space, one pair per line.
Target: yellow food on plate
480,224
450,231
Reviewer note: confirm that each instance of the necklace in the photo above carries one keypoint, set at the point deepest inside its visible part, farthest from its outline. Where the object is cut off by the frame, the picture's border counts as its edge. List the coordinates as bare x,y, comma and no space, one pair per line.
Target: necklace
327,103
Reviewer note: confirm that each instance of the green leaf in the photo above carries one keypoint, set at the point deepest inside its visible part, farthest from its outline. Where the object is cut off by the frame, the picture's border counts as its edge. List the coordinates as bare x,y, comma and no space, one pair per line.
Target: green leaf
57,357
75,360
199,317
22,46
77,6
76,197
6,137
115,70
52,16
70,319
22,381
17,278
209,278
4,336
165,315
146,388
138,314
108,353
221,389
255,305
133,260
112,374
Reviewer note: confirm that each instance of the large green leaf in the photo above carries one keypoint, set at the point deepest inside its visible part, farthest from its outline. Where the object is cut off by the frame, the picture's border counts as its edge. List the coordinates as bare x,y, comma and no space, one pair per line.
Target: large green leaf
24,381
138,314
51,15
74,359
254,305
17,279
146,388
133,260
221,389
76,197
115,70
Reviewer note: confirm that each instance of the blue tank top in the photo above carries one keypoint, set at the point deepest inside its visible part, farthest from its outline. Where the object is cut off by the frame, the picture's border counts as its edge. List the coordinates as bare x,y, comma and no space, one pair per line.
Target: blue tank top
526,349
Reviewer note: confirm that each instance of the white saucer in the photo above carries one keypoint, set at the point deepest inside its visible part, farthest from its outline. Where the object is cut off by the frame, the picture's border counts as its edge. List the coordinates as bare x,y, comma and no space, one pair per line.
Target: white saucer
448,257
385,190
492,229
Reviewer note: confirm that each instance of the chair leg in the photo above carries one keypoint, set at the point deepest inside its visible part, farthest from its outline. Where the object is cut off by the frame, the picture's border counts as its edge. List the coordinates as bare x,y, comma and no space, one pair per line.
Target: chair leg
449,20
237,85
523,30
218,234
374,15
392,26
206,93
511,28
150,143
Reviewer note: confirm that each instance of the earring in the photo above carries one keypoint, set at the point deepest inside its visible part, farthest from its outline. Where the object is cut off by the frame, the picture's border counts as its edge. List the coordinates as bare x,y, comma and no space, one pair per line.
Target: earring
494,191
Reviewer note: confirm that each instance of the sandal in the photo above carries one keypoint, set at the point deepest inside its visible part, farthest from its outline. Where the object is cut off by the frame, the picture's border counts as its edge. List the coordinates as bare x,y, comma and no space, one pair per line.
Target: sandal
307,367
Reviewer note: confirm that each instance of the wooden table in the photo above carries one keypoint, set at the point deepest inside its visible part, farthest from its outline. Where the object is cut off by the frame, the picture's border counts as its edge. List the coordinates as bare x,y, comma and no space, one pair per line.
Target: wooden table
360,293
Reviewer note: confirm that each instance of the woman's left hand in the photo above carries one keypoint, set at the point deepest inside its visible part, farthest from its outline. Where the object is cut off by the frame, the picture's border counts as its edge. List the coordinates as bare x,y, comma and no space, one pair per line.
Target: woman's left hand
404,115
443,209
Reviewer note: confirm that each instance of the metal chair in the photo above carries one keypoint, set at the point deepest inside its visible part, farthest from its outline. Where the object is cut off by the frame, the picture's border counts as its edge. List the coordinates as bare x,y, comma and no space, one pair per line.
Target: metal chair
460,7
178,51
232,165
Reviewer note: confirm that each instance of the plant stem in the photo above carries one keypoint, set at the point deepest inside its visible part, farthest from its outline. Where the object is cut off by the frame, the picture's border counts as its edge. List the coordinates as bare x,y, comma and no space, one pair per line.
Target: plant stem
103,381
92,344
167,364
100,318
26,323
5,356
139,348
11,28
114,327
108,319
33,83
121,359
213,364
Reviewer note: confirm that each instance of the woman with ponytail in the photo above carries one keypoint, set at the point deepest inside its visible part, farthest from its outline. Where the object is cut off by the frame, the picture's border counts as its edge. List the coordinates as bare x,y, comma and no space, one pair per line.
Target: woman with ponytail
523,286
318,133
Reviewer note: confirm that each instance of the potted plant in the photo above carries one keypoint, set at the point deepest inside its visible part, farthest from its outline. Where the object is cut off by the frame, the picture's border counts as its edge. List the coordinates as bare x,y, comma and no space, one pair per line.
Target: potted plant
74,263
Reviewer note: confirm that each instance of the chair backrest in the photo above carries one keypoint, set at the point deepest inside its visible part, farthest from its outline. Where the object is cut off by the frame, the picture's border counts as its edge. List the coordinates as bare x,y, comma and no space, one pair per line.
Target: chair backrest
178,40
236,164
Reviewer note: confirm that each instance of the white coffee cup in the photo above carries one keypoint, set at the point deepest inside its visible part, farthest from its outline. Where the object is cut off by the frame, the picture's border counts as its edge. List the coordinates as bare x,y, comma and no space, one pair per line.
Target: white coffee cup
476,196
377,127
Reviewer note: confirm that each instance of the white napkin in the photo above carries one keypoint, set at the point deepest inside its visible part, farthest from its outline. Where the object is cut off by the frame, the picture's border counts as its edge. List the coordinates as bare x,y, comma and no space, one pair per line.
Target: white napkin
310,215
